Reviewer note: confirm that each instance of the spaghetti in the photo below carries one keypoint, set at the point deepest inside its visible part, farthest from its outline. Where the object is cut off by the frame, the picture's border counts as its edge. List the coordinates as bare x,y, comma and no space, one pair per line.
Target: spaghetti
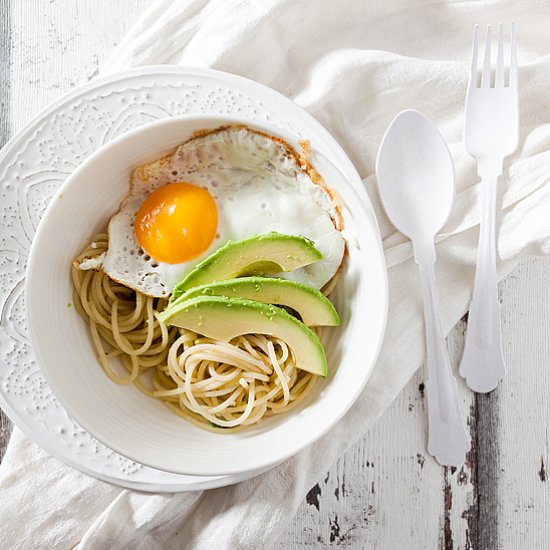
219,386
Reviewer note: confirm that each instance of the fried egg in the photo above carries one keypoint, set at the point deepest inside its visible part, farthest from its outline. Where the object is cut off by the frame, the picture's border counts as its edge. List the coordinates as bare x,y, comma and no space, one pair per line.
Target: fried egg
226,184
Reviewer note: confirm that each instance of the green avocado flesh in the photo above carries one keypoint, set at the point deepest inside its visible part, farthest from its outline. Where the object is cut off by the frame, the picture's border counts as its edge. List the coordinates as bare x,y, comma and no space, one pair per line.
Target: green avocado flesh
314,308
257,255
225,318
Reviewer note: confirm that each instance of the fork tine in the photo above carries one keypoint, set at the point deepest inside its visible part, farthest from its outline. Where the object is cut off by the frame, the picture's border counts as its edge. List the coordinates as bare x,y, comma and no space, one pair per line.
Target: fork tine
499,73
473,72
486,74
513,80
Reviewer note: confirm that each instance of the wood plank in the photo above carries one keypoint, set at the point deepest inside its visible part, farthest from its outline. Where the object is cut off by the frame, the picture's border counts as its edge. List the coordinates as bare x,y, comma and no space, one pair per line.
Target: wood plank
460,484
524,410
5,62
58,45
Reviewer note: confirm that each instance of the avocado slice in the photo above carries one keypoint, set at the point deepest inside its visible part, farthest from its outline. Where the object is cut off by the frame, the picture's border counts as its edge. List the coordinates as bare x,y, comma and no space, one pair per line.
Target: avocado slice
225,318
314,307
258,255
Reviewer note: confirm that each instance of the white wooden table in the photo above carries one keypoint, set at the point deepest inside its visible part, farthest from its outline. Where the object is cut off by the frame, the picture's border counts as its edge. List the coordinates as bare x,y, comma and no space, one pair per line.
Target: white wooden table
385,493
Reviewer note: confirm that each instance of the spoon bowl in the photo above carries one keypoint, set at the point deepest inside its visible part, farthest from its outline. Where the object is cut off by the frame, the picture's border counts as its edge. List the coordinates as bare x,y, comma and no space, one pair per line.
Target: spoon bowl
418,176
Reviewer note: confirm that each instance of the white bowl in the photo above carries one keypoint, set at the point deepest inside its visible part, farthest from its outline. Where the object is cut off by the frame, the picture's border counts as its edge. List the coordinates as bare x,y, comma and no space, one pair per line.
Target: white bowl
142,428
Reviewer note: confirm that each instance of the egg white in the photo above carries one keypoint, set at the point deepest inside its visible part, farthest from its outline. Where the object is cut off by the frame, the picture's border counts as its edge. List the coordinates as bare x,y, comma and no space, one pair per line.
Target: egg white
259,185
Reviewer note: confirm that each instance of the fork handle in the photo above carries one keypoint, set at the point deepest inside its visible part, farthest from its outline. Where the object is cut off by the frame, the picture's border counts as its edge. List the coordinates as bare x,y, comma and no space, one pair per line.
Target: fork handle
482,363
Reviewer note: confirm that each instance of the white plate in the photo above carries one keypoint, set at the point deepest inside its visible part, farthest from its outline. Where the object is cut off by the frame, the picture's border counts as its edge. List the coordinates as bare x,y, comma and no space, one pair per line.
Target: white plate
38,160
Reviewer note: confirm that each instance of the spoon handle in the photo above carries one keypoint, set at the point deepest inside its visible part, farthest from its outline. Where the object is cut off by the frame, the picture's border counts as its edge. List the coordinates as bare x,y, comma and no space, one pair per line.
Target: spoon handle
482,364
448,440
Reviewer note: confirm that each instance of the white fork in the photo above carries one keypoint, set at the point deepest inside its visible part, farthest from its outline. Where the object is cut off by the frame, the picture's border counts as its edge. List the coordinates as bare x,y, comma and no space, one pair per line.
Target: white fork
490,135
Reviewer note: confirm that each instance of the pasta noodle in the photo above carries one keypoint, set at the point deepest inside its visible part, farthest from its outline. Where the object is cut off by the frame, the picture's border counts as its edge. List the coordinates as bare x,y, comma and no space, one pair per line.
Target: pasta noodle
219,386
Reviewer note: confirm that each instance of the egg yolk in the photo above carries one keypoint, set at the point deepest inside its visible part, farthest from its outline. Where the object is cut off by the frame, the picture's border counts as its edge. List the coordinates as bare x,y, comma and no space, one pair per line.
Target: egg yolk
176,222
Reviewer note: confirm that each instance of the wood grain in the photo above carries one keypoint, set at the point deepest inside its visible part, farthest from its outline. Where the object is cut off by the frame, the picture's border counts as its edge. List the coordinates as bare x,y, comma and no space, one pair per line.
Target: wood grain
523,431
386,492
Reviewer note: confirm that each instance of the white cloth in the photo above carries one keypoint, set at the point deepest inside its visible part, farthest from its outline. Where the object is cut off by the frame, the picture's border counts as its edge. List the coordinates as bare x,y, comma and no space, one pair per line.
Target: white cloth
353,65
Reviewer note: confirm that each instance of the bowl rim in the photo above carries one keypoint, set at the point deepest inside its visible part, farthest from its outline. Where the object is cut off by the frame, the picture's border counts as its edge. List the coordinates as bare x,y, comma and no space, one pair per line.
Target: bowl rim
356,186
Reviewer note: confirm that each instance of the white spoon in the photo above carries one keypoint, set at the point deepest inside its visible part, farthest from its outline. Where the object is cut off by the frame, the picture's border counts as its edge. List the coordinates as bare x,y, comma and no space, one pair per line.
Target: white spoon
416,182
